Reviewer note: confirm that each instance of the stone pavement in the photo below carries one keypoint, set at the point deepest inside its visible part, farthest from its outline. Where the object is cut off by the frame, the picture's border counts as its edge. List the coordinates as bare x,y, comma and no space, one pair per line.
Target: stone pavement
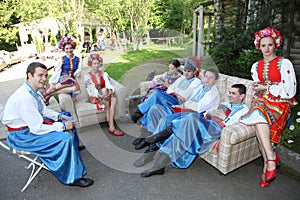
109,159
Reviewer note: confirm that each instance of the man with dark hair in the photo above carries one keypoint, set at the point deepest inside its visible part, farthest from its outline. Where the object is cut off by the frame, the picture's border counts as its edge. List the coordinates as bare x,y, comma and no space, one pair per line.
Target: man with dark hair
194,133
43,132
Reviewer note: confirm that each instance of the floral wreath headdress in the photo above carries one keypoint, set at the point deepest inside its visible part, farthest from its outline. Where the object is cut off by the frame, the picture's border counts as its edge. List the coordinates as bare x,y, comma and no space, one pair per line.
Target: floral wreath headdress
94,55
65,40
267,32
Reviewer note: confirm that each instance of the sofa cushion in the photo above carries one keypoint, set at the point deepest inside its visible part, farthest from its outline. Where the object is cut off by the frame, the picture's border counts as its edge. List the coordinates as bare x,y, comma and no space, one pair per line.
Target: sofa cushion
84,108
222,86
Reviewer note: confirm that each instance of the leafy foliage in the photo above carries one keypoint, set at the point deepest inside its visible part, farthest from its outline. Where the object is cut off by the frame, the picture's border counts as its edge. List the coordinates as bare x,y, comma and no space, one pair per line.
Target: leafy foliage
234,52
290,136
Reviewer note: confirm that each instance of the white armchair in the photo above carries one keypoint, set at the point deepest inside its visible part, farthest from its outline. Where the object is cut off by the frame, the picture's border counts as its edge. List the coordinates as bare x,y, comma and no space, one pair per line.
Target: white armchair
85,113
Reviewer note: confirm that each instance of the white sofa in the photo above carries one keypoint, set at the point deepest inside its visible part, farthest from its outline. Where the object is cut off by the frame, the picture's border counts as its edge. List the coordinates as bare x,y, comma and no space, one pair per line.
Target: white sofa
85,113
238,143
11,58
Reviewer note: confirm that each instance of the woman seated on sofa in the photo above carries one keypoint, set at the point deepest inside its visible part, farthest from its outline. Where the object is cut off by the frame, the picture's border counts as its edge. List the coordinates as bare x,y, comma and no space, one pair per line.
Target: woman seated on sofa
66,70
101,91
166,79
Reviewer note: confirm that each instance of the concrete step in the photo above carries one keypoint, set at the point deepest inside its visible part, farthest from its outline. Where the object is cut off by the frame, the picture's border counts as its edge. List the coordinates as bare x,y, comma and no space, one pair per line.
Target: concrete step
295,62
295,51
296,44
297,69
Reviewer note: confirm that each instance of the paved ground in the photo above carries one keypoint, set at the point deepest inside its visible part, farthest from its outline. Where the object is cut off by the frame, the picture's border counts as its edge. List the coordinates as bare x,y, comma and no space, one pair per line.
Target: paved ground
109,159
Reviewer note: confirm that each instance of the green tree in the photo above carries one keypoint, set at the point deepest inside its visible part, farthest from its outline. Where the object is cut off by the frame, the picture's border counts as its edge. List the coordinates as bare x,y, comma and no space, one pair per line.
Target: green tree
8,33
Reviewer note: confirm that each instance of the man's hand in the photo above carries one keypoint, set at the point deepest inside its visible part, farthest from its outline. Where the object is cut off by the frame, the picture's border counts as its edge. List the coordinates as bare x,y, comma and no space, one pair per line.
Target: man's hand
69,125
64,117
218,113
180,98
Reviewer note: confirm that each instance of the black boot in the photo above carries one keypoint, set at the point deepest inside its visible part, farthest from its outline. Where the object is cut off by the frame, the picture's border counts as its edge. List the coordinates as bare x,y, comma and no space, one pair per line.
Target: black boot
159,136
137,140
136,115
144,133
159,166
147,156
142,144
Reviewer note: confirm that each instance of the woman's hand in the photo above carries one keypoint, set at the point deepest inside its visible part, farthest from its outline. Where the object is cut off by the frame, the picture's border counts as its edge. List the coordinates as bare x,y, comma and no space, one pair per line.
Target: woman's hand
78,74
106,94
256,86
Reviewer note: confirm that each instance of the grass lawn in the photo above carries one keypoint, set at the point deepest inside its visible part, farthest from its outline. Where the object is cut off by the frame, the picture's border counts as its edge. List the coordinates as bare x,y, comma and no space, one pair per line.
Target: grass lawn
130,59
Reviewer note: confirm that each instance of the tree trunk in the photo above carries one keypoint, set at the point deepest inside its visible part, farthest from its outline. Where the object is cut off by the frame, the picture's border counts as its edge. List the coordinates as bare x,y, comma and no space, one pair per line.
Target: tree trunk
218,18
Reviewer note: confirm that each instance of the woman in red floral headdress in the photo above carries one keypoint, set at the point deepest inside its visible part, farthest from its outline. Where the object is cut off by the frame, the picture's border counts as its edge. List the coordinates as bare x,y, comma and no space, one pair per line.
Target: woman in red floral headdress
101,91
274,82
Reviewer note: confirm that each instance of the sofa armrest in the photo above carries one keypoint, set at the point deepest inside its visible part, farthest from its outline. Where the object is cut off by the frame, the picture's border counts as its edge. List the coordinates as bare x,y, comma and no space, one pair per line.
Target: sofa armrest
121,94
66,104
54,105
236,133
144,86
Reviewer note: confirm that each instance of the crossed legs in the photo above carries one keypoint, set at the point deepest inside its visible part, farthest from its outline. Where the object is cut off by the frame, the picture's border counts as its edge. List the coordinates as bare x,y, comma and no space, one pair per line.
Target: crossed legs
263,136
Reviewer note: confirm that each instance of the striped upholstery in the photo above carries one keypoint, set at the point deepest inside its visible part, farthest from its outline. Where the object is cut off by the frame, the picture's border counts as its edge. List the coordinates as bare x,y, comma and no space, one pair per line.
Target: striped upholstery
238,143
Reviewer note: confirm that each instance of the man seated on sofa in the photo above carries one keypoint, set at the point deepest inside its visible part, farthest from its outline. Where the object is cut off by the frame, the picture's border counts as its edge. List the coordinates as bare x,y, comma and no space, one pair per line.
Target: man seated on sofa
43,132
205,98
177,93
193,133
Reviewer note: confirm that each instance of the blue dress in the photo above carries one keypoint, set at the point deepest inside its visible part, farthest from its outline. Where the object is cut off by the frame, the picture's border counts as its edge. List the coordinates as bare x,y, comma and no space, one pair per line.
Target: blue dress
192,135
157,98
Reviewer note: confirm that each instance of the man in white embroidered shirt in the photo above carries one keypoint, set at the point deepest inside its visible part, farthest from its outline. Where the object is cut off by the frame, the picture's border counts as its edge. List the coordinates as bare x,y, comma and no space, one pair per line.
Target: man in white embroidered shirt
43,132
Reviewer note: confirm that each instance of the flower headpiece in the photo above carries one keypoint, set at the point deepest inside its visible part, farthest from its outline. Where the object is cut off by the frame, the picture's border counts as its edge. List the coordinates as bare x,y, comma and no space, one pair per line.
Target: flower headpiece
65,40
267,32
92,56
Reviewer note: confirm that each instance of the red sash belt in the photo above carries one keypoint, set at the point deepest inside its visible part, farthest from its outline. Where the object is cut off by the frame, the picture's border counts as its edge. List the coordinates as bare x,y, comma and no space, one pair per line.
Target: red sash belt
10,129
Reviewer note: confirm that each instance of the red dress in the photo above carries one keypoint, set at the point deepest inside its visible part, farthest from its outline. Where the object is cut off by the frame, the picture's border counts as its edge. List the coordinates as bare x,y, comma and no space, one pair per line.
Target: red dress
267,107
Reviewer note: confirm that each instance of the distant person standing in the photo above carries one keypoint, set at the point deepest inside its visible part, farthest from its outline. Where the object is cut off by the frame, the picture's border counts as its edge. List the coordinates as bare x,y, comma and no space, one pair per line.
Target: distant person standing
101,41
112,41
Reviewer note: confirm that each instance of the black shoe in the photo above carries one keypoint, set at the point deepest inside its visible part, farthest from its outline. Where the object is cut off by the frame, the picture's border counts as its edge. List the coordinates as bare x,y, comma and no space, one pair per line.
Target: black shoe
141,145
144,159
83,182
159,166
81,147
137,141
166,133
149,172
136,115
